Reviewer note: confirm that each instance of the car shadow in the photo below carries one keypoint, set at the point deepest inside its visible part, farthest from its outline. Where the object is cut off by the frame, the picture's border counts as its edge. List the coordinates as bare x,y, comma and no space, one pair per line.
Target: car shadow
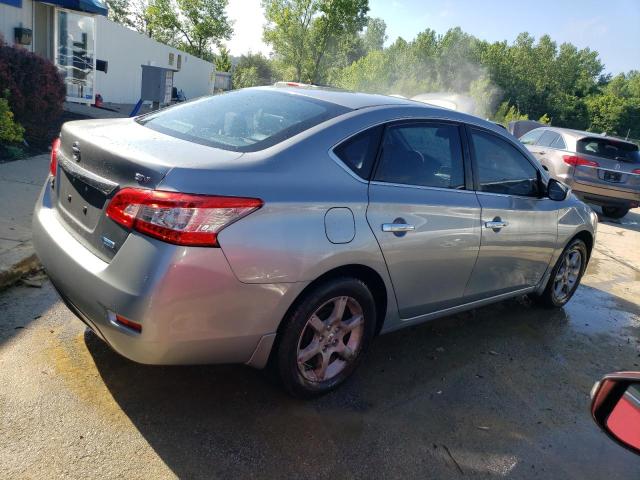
631,221
38,298
499,382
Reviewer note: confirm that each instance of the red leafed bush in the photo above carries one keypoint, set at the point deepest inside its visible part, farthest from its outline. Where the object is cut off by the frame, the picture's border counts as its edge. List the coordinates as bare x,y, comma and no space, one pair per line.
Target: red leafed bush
35,89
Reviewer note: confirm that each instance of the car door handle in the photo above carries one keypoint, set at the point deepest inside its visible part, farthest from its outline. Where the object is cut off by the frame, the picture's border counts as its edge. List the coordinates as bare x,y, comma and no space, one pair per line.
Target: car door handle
495,224
398,227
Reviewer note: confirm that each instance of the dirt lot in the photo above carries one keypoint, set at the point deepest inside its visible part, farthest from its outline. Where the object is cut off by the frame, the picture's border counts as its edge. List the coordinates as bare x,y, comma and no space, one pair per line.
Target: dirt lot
502,391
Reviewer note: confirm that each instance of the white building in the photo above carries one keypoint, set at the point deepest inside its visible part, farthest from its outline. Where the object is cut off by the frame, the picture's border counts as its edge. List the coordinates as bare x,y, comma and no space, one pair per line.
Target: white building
78,38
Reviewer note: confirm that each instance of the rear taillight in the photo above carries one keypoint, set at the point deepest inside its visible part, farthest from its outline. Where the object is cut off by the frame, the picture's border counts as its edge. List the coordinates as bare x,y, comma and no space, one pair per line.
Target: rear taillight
179,218
637,170
53,162
577,161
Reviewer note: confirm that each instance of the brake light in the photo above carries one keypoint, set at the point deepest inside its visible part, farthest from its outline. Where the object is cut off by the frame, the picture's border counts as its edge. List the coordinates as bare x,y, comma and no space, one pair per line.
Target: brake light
637,170
178,218
53,162
577,161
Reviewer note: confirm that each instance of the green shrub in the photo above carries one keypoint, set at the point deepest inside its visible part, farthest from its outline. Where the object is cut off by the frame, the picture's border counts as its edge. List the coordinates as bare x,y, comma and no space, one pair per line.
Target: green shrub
36,90
10,130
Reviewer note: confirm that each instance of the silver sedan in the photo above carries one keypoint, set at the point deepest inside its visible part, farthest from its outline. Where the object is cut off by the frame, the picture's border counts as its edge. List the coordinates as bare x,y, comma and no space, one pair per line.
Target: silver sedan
290,226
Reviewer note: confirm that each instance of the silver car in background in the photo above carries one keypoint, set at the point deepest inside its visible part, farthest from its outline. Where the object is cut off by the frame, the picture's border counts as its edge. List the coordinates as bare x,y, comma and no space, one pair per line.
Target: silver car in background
289,226
601,170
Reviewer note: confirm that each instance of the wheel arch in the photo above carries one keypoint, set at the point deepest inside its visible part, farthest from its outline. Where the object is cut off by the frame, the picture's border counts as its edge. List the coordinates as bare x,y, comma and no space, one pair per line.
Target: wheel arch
587,238
371,278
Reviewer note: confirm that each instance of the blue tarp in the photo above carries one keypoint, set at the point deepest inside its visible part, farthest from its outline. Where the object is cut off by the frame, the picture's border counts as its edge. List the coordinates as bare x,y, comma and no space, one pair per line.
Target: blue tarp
98,7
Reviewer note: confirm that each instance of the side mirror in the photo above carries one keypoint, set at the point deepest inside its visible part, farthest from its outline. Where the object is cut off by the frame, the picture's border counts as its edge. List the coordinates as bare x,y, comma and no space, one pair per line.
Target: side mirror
556,190
615,407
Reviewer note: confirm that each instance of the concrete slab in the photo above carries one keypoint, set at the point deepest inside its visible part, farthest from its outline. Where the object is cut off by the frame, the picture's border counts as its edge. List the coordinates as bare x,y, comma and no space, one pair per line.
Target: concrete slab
10,230
7,244
17,199
20,184
33,171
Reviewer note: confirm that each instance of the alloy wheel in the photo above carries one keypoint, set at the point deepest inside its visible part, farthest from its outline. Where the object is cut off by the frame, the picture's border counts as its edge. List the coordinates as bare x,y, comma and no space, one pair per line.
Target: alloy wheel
331,339
567,275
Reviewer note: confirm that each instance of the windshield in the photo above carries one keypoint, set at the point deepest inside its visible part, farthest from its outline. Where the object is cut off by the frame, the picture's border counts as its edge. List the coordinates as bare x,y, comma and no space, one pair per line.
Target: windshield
242,120
615,150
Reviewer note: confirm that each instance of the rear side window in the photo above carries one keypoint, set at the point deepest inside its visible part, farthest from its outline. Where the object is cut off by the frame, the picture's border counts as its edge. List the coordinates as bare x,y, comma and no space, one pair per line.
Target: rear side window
243,120
559,143
531,137
502,168
359,152
428,155
602,147
547,138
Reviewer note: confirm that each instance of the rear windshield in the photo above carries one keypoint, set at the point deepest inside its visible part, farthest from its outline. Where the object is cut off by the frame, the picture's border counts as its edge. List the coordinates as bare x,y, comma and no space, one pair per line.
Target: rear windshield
243,120
602,147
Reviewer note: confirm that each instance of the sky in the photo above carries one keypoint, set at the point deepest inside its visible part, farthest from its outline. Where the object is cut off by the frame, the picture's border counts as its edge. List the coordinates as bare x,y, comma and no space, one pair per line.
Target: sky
611,27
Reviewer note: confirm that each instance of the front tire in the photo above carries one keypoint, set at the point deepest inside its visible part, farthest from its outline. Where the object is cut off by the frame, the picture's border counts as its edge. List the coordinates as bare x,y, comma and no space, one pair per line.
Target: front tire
615,212
565,276
325,336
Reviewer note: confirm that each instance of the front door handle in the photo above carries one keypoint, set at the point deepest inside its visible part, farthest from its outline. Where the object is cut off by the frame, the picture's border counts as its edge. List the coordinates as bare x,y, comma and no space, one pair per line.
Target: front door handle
398,227
495,224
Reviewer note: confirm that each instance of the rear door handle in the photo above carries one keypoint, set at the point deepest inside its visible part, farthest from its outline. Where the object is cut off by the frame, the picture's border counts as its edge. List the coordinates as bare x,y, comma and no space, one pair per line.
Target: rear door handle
495,224
398,227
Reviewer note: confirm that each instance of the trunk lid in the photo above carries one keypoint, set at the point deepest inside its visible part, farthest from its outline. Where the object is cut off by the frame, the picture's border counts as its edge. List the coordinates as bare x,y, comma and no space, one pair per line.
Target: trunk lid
98,157
616,161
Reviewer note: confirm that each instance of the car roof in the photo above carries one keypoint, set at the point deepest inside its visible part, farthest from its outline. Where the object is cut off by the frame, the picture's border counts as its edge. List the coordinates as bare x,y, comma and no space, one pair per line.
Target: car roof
580,134
345,98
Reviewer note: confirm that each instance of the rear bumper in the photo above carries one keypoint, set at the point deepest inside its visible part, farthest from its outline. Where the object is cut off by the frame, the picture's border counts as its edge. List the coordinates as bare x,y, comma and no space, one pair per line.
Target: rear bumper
606,196
192,308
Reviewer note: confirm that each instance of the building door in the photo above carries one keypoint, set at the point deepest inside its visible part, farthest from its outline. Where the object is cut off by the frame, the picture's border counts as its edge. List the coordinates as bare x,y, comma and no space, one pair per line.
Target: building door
75,46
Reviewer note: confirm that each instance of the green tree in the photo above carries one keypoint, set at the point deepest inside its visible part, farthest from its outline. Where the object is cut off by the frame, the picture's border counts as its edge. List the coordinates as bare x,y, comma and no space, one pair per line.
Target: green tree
308,35
222,60
508,113
194,26
545,119
119,12
614,115
253,69
375,35
246,77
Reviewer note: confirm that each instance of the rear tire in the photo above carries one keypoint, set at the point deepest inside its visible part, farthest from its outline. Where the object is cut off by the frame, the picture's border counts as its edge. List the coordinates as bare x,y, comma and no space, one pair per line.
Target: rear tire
565,276
615,212
325,336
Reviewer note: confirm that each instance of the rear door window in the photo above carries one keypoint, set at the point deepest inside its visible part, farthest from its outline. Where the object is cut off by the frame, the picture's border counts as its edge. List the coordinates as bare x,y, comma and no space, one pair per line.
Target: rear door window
422,154
501,167
359,152
603,147
242,120
531,137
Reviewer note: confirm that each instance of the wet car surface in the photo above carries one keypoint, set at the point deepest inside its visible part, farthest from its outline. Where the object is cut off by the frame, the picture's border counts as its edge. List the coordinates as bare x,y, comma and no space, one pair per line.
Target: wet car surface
499,392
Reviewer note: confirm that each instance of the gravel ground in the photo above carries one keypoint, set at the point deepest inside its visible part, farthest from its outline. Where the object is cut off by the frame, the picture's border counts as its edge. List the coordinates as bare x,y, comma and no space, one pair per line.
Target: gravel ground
499,392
